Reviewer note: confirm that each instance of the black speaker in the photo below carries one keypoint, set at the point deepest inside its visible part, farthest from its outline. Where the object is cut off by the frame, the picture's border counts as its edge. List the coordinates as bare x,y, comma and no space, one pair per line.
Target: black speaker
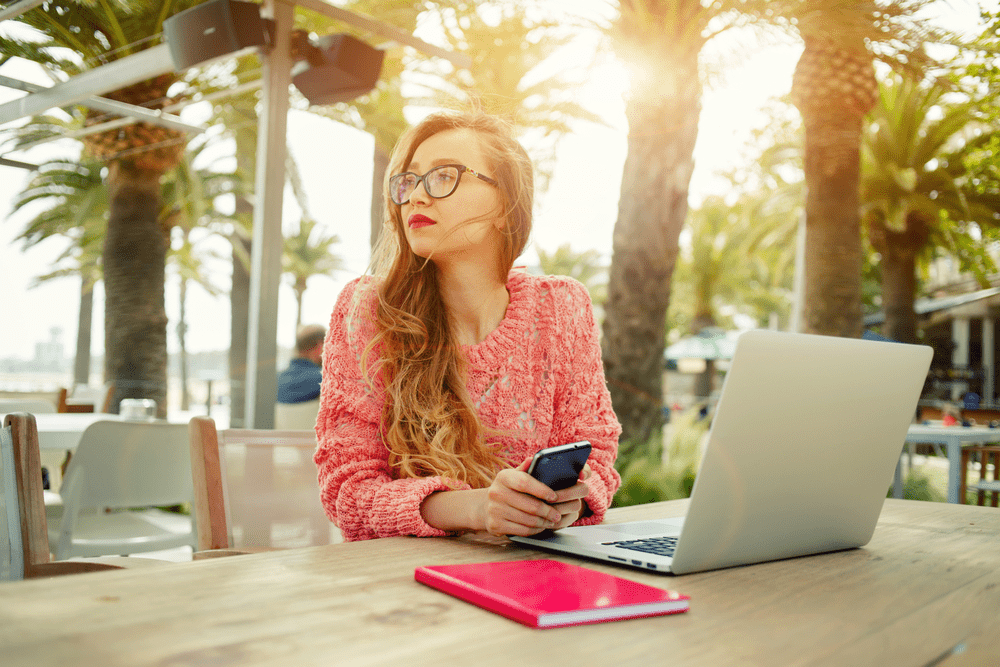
339,69
214,29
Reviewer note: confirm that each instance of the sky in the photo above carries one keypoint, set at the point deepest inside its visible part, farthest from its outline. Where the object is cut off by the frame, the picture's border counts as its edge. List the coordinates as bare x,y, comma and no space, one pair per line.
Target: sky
579,208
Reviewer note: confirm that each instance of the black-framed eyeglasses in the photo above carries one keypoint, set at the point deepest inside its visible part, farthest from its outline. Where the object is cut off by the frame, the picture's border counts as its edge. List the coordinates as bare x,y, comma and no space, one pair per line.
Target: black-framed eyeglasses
439,182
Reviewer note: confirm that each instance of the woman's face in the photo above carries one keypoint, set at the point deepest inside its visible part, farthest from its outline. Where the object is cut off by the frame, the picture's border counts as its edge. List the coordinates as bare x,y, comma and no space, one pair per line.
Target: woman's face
441,228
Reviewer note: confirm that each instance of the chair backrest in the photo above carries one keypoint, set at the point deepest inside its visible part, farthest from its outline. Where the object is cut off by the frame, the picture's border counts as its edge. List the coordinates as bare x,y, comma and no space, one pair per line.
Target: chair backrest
256,488
84,395
25,541
122,464
11,545
296,416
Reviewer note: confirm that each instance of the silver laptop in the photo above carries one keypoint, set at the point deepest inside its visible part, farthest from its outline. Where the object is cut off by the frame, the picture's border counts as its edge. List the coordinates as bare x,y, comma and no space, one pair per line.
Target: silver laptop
801,452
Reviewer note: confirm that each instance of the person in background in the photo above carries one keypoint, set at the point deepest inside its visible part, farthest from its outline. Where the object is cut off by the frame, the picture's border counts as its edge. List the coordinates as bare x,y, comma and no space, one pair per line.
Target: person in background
448,369
301,380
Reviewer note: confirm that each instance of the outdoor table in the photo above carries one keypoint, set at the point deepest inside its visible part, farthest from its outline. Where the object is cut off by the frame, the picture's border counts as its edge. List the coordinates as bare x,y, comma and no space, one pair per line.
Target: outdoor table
953,437
62,430
924,591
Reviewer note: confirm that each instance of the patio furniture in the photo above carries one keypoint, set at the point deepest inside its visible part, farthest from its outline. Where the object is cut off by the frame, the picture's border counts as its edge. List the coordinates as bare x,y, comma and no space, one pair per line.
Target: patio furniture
24,543
255,489
120,466
84,398
924,591
31,405
954,438
296,416
988,454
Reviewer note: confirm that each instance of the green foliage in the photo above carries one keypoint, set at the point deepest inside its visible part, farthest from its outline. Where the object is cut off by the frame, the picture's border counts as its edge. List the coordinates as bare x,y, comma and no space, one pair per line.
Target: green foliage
919,486
583,266
646,478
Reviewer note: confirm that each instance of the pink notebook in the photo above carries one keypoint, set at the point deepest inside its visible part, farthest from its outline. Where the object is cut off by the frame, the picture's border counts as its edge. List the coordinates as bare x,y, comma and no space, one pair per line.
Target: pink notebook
549,593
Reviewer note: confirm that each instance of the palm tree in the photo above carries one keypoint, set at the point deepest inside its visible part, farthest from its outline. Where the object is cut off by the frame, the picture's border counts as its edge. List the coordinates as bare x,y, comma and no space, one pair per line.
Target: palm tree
660,42
189,196
76,207
379,112
137,156
834,86
918,196
729,266
308,254
507,42
584,266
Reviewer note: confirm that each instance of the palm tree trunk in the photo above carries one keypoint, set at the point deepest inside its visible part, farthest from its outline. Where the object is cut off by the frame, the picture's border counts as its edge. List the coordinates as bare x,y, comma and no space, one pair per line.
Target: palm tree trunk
651,212
81,365
381,164
239,302
899,289
181,338
834,87
299,294
898,266
135,319
833,252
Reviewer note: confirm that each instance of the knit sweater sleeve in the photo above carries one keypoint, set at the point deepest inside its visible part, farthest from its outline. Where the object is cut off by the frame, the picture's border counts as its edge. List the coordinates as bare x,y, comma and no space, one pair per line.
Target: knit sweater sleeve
583,404
357,486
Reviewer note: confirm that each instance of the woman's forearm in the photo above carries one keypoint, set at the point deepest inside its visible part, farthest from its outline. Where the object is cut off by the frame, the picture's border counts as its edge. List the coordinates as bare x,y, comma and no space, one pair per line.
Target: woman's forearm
455,511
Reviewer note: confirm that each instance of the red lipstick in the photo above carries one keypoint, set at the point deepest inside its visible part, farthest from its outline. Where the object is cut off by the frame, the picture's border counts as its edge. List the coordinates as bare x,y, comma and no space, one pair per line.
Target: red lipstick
417,220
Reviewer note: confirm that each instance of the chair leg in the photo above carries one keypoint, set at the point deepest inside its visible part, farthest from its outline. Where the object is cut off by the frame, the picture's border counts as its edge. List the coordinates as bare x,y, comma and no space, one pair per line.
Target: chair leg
996,473
962,480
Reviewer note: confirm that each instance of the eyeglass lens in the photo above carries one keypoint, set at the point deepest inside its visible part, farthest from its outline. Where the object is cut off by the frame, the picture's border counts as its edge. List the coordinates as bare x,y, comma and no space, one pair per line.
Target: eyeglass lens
438,183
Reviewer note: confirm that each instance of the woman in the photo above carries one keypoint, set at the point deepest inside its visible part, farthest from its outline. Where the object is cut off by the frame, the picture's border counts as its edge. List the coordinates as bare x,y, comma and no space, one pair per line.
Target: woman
447,371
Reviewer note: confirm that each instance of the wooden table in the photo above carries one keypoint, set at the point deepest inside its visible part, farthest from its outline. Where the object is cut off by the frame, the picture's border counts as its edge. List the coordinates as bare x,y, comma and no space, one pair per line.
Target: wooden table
953,437
927,586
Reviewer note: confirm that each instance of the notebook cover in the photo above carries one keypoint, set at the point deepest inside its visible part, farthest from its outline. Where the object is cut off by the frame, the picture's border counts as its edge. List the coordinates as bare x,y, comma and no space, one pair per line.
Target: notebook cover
548,593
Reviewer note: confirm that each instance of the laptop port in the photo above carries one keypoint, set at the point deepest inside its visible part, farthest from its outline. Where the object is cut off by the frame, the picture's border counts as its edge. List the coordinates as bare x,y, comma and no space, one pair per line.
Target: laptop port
624,560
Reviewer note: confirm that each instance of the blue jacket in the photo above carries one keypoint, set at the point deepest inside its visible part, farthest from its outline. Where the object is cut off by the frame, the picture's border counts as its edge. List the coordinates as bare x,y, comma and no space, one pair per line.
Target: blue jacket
299,382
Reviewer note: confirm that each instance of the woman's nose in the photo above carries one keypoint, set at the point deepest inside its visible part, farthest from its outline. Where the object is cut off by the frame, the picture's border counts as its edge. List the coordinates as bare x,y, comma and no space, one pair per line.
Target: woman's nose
419,194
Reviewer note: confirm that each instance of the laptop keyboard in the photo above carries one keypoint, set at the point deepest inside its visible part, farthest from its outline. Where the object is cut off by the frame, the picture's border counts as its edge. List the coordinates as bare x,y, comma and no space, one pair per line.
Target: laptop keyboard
663,546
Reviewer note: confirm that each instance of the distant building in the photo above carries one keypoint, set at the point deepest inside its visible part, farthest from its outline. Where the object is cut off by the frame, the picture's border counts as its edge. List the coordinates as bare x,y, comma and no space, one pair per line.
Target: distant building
50,355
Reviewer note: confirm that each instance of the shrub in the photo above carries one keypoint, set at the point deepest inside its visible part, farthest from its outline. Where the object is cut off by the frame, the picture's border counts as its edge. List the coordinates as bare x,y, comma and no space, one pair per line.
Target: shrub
645,476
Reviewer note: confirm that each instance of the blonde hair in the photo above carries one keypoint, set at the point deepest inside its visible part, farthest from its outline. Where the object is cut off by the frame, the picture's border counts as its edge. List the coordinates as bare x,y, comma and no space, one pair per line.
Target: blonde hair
429,420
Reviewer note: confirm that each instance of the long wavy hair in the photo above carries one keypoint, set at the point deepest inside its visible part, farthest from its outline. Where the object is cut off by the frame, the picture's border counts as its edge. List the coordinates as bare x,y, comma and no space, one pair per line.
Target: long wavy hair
429,420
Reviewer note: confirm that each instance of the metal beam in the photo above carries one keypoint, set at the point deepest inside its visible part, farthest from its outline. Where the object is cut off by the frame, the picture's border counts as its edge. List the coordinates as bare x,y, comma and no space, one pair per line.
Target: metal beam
18,8
122,122
7,162
151,116
385,30
118,74
265,255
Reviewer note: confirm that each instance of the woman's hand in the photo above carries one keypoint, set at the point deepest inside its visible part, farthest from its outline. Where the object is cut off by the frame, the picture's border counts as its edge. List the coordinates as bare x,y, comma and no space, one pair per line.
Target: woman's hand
515,504
569,501
518,504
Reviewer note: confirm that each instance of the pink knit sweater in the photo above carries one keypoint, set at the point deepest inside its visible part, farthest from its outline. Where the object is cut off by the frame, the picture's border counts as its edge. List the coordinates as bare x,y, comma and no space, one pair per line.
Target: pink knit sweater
537,376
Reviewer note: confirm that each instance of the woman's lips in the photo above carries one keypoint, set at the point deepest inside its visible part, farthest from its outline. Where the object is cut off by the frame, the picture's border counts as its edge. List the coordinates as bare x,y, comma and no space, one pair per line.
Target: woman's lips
417,221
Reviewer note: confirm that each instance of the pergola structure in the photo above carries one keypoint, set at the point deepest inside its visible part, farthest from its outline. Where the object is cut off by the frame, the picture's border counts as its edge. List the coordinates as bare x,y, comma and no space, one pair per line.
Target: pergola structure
277,61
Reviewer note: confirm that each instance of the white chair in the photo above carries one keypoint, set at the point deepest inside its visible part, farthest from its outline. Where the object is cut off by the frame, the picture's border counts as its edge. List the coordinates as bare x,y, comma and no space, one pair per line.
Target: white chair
255,489
120,466
296,416
24,544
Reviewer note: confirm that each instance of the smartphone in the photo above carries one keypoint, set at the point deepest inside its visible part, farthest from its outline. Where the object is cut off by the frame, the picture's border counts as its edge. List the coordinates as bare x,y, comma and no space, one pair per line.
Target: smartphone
559,467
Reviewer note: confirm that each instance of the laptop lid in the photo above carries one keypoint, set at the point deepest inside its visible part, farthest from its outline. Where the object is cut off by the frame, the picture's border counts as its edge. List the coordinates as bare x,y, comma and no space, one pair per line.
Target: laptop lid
802,449
801,452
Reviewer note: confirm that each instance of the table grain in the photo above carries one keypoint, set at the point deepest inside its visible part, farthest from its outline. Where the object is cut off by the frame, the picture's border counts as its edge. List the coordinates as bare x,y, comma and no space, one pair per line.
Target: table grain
927,587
